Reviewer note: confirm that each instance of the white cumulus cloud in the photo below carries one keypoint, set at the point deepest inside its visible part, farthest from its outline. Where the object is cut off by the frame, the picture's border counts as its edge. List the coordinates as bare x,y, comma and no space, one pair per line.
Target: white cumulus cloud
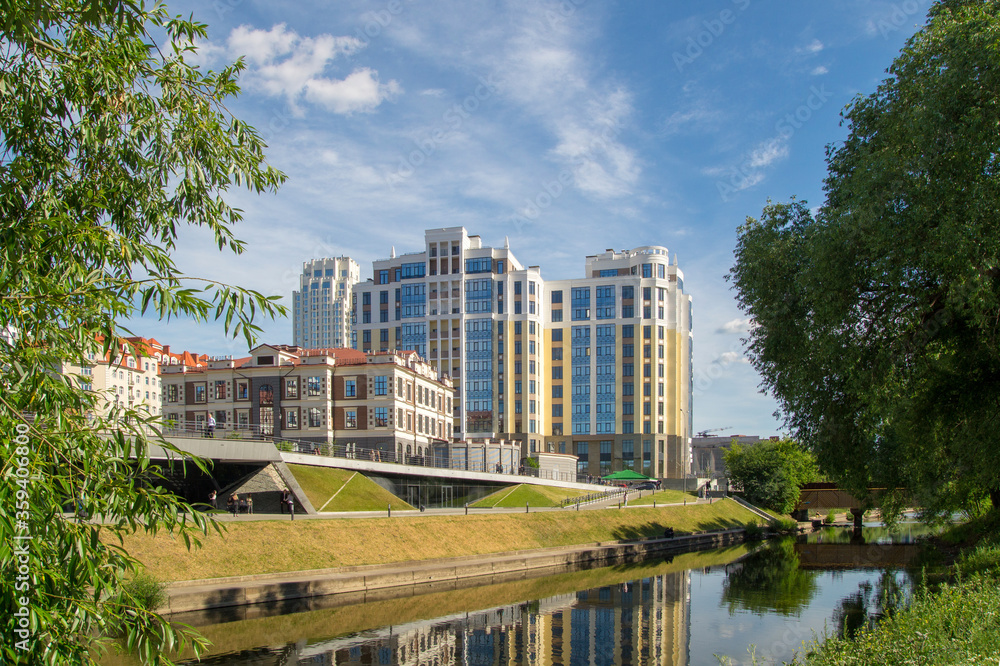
283,63
736,326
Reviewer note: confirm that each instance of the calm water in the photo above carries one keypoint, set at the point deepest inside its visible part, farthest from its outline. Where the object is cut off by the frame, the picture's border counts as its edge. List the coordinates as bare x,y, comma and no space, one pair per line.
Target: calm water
683,611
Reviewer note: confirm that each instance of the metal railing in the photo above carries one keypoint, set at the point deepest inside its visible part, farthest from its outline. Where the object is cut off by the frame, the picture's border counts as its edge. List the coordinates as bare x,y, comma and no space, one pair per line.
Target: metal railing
611,493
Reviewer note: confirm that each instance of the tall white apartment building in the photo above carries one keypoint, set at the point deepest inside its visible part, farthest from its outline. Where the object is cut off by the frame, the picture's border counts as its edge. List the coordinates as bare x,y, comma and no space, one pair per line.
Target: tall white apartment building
597,366
321,316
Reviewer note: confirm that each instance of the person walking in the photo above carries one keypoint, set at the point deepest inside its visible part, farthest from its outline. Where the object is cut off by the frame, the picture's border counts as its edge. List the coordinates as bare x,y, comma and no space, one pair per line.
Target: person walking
212,499
249,505
234,504
210,429
284,500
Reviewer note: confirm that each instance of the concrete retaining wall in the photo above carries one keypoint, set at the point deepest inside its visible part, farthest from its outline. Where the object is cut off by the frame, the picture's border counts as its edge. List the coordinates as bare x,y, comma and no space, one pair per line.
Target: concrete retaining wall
284,592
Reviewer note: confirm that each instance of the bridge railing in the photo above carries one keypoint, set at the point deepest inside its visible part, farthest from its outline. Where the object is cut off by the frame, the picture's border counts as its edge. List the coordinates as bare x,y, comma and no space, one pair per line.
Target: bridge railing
351,450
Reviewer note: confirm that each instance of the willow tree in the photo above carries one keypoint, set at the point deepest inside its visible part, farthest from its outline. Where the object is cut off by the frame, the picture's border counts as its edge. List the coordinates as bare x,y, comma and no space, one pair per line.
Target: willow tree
878,317
111,141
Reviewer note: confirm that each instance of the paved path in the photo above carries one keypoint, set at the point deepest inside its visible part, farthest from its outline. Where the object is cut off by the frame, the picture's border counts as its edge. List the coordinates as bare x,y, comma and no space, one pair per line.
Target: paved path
456,511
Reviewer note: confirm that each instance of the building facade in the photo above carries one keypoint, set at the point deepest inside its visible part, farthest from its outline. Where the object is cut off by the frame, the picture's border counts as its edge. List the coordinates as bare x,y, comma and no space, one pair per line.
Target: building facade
387,406
127,377
321,308
597,366
619,365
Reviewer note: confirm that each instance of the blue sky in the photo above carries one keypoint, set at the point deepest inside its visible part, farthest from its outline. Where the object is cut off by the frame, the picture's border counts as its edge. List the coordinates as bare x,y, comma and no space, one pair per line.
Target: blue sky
570,127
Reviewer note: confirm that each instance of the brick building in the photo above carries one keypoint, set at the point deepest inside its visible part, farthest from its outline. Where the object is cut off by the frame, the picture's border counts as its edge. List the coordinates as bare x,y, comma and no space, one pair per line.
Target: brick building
392,403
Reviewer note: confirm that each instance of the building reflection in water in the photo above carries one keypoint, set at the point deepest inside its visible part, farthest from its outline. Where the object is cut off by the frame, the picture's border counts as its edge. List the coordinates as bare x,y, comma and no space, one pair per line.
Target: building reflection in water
640,622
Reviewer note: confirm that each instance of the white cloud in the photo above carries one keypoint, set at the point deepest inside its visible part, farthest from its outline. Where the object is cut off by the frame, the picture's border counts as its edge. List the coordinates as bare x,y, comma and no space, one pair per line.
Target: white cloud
736,326
730,357
283,63
360,91
768,152
819,71
812,48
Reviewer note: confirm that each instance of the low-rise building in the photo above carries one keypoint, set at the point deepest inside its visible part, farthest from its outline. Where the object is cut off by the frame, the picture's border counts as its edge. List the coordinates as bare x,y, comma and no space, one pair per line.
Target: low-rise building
383,406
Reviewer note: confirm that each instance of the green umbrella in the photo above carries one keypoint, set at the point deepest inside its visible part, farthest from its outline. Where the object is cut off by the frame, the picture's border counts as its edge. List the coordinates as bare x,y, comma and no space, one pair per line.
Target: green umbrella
626,475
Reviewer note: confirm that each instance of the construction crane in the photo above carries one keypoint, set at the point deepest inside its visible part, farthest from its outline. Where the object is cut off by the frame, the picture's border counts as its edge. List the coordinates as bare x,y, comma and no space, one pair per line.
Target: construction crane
704,433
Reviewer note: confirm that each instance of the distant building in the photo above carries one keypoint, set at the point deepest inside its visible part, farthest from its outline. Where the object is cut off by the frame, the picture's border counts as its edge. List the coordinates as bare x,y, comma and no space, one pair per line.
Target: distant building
128,376
321,308
707,454
389,402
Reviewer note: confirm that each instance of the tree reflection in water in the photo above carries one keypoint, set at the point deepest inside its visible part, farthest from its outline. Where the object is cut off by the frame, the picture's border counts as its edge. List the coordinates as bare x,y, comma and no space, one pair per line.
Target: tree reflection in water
871,603
769,580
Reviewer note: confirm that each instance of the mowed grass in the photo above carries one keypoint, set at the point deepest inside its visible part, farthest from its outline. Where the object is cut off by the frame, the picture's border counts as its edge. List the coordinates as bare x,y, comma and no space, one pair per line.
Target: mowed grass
519,495
349,490
265,546
660,497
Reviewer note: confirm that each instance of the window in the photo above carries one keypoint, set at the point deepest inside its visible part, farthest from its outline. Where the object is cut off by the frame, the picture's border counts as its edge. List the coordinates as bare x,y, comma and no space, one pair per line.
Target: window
557,391
242,390
557,353
557,372
351,388
199,392
314,385
292,418
381,386
172,393
315,417
266,394
381,416
557,411
292,388
557,335
557,296
350,418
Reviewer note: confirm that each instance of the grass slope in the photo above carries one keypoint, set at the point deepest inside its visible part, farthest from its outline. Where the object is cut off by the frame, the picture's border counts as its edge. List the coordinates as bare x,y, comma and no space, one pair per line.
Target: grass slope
275,546
359,494
537,496
660,497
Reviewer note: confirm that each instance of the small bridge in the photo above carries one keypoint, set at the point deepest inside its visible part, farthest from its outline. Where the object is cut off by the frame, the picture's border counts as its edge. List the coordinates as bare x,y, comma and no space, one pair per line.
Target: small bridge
820,497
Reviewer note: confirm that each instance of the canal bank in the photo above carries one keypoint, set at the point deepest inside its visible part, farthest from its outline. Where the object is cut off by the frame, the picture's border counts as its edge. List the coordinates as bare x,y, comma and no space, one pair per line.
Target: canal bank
255,595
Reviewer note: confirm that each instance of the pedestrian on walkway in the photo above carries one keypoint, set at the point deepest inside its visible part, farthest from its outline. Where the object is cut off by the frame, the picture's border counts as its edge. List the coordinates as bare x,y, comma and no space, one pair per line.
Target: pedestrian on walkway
212,499
249,505
210,427
233,504
284,500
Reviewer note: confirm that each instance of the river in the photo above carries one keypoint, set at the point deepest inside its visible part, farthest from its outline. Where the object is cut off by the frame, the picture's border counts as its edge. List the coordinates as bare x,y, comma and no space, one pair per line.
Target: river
688,610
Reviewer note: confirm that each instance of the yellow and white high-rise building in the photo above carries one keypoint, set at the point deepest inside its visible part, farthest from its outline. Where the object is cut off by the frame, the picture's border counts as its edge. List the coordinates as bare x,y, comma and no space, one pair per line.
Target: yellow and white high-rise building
598,366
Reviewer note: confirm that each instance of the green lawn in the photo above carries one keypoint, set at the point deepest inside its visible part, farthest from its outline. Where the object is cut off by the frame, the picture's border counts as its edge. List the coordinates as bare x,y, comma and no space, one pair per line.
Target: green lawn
268,546
332,489
538,496
659,496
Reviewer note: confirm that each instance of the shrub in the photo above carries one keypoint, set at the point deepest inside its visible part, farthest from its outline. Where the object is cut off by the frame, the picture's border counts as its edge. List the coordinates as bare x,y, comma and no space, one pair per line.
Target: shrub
785,525
830,518
754,531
